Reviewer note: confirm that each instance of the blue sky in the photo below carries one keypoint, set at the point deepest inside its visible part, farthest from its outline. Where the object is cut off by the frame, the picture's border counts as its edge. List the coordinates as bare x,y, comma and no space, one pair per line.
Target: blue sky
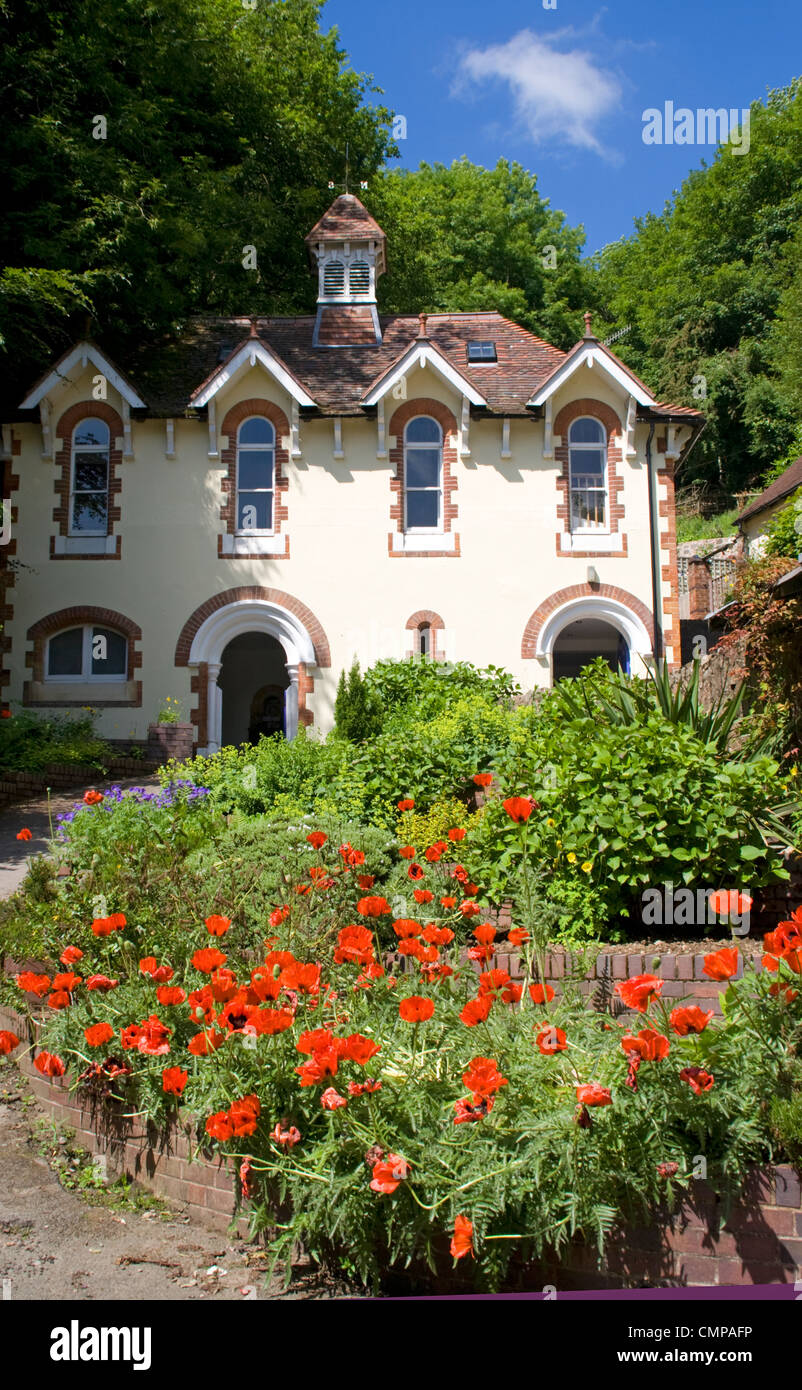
563,90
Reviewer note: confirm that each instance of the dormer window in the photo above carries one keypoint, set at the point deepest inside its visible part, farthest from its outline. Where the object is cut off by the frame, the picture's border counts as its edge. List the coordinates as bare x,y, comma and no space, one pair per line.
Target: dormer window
479,352
89,483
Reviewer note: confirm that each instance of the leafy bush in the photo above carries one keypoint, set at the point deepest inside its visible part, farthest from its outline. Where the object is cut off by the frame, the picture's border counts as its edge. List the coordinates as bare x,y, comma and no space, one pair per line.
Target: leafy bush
357,711
421,689
29,742
373,1114
784,531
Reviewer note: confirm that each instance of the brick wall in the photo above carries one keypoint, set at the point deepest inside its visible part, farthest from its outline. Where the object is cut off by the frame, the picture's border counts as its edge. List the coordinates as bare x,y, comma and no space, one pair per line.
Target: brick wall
22,786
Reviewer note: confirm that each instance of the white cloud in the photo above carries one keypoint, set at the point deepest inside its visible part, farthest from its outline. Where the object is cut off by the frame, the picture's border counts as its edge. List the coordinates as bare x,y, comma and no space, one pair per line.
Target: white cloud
560,96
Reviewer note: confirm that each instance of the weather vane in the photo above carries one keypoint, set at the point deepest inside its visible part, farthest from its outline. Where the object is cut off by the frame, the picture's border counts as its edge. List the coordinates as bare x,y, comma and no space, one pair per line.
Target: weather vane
363,183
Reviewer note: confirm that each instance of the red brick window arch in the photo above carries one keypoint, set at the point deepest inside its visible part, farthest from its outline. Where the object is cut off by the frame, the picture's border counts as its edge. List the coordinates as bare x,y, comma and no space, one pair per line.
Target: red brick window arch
590,455
426,627
423,455
255,482
87,484
80,648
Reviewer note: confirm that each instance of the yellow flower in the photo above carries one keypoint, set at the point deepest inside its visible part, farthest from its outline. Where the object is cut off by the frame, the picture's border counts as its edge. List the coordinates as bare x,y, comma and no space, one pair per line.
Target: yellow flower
586,867
795,771
559,844
549,821
571,858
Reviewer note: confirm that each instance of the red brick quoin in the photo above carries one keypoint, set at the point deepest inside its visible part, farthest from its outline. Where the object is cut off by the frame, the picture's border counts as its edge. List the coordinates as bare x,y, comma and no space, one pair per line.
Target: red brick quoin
78,616
84,410
607,417
423,405
579,591
306,682
244,410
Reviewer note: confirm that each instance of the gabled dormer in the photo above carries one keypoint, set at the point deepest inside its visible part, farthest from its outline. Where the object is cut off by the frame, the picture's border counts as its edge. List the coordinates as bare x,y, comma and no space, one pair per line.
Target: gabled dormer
347,248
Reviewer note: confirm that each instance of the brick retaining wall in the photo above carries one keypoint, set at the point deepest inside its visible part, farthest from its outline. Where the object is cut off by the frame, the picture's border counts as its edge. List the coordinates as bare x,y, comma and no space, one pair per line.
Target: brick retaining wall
24,786
756,1241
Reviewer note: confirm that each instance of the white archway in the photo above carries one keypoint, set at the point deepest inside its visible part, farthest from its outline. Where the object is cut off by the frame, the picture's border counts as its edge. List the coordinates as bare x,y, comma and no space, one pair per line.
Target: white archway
606,610
214,635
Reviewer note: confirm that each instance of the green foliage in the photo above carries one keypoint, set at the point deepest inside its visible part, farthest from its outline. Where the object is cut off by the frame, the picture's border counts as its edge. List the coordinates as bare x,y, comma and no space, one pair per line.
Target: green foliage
717,276
29,742
422,689
357,712
702,528
784,531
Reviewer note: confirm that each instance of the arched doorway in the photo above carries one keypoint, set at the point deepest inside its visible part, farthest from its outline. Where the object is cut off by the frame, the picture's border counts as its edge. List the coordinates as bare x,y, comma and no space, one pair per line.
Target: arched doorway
580,642
252,682
230,637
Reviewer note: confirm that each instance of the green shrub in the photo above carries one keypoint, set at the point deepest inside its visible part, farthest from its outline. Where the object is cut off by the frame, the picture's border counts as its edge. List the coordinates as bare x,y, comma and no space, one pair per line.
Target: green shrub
419,689
357,711
30,742
784,531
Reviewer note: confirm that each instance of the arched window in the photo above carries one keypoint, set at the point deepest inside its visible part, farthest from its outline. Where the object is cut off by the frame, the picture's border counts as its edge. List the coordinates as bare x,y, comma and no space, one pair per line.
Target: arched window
425,640
89,479
587,452
423,475
334,278
256,471
87,653
359,278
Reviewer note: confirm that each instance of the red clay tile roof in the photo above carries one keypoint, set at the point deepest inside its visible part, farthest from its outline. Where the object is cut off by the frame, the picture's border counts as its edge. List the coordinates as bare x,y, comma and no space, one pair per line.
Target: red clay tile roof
346,325
346,219
787,483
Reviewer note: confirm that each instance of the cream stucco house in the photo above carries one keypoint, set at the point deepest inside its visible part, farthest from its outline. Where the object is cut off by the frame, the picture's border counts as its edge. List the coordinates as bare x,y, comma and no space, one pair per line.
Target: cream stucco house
232,518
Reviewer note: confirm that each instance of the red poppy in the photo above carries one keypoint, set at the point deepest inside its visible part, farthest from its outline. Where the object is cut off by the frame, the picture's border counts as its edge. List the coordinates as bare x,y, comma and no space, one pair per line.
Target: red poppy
690,1019
416,1009
98,1034
789,994
457,833
49,1064
174,1080
320,1065
447,903
317,839
206,1042
470,909
649,1045
476,1011
71,955
287,1137
355,944
406,927
24,834
93,798
438,936
415,872
208,960
407,804
462,1242
722,965
388,1173
360,1049
8,1041
424,895
697,1078
593,1094
483,1077
519,808
407,851
129,1037
332,1100
482,779
638,992
270,1021
118,920
730,903
365,881
101,982
352,857
518,936
219,1126
541,994
217,925
68,980
244,1115
366,1087
278,916
550,1039
470,1109
60,1000
373,907
102,926
31,983
5,713
315,1040
154,1038
170,995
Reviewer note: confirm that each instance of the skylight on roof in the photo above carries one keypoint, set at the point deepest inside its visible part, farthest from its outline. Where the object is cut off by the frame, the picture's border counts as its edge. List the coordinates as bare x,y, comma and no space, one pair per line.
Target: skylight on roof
482,352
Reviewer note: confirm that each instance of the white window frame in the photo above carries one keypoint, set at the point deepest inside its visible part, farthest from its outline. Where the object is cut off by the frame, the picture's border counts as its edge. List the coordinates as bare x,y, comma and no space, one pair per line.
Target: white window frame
424,530
588,528
89,449
255,449
87,676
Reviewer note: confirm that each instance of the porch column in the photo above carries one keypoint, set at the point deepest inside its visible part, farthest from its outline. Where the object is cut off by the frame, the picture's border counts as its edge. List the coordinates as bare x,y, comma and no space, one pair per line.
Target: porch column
213,707
291,701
